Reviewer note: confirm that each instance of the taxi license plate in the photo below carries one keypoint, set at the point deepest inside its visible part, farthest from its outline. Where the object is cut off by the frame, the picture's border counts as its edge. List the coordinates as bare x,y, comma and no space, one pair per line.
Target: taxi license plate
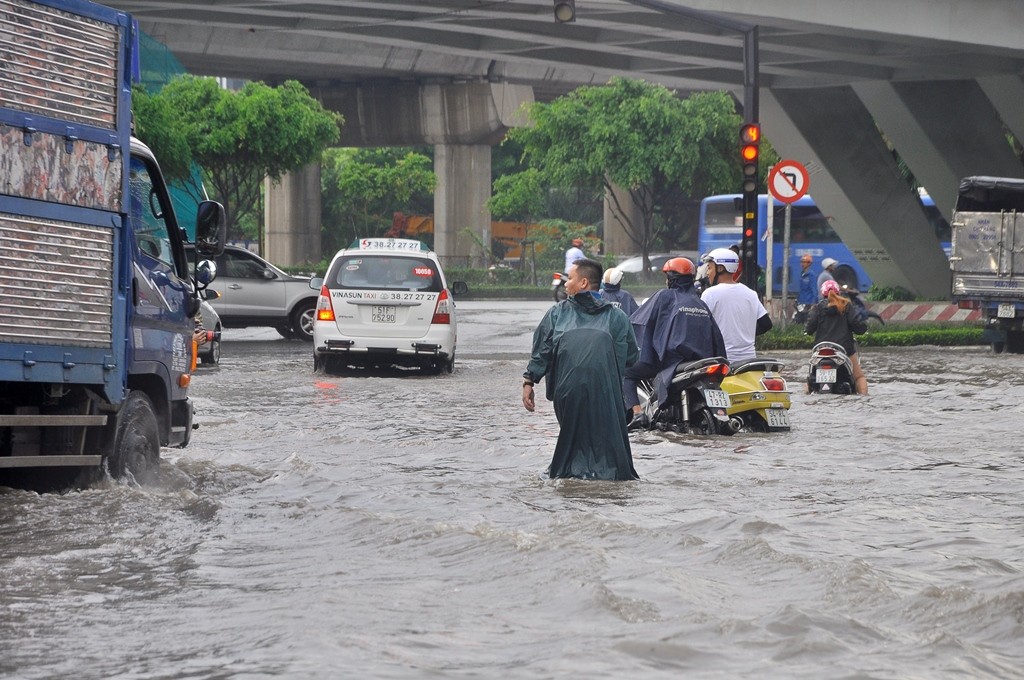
383,314
1007,310
777,417
716,398
825,375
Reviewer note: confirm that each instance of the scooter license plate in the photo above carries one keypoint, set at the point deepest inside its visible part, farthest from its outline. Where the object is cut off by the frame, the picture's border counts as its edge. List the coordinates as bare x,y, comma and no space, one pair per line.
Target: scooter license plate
1007,310
717,398
825,375
776,417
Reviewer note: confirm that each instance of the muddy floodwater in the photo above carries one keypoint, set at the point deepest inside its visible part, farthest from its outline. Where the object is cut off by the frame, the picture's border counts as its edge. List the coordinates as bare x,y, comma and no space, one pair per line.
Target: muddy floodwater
398,525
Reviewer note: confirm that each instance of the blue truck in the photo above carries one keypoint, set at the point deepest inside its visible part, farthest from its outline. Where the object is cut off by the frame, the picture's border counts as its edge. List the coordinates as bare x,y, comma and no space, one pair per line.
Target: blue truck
97,303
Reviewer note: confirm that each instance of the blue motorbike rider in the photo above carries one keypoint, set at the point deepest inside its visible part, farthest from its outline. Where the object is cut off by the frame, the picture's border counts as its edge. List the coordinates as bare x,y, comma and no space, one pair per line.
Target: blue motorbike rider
673,326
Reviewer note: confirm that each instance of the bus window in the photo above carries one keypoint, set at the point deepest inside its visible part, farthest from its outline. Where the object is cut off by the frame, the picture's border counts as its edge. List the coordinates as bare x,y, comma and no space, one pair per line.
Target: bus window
807,225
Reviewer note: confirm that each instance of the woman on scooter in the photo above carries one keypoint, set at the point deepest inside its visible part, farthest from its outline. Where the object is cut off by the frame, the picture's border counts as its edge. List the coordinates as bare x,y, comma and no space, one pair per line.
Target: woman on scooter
835,319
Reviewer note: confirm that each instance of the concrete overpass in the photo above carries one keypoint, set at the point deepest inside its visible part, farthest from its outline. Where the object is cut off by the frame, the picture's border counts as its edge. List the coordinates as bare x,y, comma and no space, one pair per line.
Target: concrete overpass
941,79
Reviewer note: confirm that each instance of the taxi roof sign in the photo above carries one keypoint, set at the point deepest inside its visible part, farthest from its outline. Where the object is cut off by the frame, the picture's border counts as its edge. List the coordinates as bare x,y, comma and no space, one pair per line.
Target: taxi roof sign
381,243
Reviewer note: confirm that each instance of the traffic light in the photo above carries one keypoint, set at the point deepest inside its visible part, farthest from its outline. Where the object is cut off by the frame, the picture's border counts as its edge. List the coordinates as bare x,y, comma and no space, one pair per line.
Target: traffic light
750,139
565,11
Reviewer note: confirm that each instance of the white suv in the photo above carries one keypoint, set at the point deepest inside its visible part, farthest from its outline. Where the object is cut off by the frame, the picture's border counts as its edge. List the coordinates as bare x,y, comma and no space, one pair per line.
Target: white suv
385,302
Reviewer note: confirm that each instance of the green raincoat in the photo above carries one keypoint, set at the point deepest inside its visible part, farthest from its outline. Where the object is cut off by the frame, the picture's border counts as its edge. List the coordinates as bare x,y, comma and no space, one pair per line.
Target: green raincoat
583,346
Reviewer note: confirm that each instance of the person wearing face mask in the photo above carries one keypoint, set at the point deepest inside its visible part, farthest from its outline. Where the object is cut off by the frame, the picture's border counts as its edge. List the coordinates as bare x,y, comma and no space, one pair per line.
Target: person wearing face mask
582,348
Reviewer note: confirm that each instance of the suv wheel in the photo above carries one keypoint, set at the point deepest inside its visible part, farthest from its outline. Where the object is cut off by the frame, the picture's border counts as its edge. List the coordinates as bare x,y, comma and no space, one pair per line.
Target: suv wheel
302,320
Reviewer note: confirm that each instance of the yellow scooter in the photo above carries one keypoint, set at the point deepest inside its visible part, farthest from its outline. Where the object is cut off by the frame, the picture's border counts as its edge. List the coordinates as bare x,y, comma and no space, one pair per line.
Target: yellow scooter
758,396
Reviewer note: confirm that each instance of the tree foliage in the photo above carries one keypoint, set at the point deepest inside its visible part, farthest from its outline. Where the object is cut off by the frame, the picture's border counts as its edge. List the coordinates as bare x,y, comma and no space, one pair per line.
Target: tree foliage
237,138
363,188
639,137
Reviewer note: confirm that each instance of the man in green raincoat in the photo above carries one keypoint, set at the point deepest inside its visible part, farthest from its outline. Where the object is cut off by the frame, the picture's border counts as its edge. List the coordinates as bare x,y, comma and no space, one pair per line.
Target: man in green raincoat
583,346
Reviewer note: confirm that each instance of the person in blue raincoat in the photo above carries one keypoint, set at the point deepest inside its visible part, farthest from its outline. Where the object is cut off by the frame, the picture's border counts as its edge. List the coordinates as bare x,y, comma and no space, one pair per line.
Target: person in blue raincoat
612,291
673,326
583,346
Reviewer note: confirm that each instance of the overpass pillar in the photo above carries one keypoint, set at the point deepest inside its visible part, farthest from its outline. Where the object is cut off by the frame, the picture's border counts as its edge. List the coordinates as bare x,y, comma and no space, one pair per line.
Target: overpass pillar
462,222
939,147
857,185
292,216
462,120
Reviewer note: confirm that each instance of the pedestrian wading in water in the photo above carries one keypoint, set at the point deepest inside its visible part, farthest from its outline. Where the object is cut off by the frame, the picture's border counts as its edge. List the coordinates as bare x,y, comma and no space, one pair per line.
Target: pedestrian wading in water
581,349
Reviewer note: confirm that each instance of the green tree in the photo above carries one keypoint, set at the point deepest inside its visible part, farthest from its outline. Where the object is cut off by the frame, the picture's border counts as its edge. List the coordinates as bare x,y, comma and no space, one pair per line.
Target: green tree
642,138
237,138
363,188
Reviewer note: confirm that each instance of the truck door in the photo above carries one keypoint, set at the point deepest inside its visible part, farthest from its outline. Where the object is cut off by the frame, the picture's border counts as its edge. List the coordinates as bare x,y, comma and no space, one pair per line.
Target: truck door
161,330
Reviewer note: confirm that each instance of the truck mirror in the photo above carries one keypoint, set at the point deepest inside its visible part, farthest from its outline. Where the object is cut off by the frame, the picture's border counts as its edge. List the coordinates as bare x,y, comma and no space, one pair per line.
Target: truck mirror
206,272
211,229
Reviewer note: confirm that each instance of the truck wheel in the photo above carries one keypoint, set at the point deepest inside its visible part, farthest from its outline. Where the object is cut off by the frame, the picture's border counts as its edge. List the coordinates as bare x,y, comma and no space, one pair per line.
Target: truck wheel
136,446
302,320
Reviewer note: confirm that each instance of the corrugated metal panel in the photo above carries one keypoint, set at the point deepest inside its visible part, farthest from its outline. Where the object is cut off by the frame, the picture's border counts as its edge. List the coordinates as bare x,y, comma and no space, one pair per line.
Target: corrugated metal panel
56,282
57,64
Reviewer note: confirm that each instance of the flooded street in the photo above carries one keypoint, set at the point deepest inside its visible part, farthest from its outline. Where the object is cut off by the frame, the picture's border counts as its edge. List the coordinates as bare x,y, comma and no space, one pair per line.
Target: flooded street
402,526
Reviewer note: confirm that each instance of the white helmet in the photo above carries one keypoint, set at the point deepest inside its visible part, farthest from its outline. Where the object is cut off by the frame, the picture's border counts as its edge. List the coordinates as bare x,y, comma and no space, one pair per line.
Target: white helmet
725,258
828,262
612,276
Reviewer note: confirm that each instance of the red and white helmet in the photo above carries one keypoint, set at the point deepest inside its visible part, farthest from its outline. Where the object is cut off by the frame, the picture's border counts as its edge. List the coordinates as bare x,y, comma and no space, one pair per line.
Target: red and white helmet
829,286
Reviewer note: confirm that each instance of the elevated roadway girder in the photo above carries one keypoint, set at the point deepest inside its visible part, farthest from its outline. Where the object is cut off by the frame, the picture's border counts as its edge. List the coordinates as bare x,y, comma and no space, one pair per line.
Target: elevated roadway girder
895,62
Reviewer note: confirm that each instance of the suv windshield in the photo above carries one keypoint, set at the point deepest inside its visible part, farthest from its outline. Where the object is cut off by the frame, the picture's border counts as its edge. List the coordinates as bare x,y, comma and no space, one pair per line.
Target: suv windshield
384,272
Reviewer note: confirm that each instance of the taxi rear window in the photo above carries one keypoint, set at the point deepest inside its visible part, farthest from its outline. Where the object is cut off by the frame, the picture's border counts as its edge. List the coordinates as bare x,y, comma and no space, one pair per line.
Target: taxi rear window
384,272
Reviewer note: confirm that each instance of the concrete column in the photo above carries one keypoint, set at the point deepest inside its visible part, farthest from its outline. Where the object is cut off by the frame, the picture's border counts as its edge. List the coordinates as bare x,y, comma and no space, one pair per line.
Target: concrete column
292,217
1006,93
618,209
857,185
460,203
945,130
462,121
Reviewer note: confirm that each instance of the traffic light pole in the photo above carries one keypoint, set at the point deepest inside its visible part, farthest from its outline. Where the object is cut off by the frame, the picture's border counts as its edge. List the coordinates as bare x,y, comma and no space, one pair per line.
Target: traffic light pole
751,114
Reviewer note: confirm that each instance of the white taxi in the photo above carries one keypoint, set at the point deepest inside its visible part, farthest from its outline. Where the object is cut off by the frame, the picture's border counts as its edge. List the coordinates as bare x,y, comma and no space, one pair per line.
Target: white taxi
385,302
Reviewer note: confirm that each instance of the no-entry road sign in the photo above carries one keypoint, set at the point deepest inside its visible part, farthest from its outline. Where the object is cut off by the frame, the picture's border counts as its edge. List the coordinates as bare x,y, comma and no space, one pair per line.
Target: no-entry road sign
788,181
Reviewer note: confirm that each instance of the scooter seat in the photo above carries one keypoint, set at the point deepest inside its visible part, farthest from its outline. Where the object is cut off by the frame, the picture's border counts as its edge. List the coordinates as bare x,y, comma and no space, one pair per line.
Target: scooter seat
756,364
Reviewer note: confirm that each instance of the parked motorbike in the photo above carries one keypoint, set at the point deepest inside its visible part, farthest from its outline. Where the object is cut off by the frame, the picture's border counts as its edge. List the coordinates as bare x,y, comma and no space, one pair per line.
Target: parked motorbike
758,396
830,370
862,308
688,398
558,291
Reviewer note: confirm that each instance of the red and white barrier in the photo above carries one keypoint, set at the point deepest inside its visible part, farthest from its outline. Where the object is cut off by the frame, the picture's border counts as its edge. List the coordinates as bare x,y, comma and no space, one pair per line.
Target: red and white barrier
923,312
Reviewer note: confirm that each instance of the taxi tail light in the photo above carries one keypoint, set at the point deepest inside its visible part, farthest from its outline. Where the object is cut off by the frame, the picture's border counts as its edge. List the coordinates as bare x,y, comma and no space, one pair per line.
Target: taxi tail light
324,308
443,312
774,384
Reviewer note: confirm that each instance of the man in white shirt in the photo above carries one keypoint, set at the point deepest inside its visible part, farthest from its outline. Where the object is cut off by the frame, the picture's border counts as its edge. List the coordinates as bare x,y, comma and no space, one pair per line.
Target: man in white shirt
575,252
737,309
